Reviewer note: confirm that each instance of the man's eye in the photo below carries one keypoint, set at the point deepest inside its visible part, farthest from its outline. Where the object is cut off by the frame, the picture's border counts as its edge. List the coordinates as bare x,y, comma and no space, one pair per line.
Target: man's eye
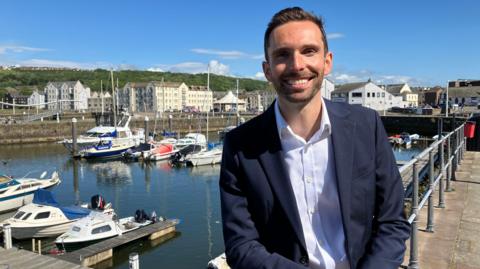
309,51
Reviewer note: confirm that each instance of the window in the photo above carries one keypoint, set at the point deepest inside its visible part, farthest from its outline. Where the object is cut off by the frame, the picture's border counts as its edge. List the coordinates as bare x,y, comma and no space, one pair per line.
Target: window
43,215
26,216
101,229
76,229
368,94
356,94
383,94
378,94
19,215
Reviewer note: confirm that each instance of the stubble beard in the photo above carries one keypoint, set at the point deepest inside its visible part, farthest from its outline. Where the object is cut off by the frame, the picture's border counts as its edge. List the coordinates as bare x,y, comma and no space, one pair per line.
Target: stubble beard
290,98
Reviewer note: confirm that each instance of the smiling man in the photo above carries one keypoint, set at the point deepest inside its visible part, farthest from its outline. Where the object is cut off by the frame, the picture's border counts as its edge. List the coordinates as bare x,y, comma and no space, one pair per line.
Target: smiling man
309,183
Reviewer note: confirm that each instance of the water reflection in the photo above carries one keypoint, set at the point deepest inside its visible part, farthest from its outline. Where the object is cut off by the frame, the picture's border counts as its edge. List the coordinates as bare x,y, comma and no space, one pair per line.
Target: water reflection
112,172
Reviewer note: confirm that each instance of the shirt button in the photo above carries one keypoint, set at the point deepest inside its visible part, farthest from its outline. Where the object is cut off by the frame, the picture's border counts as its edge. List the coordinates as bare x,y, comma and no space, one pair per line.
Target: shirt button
309,180
303,260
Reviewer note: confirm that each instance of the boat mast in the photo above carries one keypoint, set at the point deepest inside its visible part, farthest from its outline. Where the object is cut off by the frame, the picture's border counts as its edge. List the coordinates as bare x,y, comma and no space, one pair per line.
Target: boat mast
208,90
114,101
101,93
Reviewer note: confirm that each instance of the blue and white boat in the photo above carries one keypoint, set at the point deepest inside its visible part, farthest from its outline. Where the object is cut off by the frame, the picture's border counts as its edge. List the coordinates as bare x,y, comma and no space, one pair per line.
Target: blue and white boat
107,141
45,217
17,192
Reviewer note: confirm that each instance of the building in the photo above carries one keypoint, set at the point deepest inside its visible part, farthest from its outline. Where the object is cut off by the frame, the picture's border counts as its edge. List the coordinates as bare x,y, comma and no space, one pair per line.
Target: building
432,96
100,102
268,96
199,97
13,96
403,90
254,101
128,95
36,100
463,92
327,88
366,94
229,103
67,95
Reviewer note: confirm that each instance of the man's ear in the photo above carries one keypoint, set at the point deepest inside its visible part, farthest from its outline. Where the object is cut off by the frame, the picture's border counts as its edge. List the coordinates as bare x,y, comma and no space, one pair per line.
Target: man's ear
267,70
328,63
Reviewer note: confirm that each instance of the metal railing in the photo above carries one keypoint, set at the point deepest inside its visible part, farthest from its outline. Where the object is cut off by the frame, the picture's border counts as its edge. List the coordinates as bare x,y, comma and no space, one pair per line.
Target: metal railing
450,149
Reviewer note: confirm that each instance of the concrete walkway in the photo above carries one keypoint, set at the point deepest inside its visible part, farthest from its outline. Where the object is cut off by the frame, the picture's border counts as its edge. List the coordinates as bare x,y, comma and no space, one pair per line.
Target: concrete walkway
455,242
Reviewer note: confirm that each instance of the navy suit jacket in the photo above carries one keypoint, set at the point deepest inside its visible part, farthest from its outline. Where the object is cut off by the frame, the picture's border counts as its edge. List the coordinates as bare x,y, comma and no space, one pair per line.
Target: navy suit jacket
261,223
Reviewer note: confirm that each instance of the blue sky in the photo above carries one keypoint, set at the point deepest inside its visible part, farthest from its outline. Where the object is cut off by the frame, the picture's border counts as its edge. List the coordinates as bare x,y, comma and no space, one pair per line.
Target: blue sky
423,43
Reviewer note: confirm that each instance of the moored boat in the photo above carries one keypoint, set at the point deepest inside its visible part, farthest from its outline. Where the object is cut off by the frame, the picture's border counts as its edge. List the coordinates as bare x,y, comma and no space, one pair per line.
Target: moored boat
17,192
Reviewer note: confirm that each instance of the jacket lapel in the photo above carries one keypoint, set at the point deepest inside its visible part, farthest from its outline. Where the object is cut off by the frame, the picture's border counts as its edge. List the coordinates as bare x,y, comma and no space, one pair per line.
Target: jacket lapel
343,132
272,161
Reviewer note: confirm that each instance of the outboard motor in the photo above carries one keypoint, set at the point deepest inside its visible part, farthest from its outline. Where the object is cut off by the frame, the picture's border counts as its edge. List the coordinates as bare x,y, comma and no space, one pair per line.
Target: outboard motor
140,215
97,202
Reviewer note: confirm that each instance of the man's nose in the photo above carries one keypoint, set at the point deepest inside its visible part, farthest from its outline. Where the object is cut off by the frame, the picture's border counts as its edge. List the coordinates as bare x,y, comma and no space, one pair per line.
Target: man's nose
297,62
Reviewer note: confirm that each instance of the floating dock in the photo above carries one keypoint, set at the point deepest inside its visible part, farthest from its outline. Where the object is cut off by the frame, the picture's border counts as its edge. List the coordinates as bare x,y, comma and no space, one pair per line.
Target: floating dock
103,250
23,259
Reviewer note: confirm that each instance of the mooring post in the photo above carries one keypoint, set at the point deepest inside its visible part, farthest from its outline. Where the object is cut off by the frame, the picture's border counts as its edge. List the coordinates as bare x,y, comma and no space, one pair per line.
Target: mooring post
413,263
39,247
74,137
146,129
431,177
33,244
170,123
133,261
7,236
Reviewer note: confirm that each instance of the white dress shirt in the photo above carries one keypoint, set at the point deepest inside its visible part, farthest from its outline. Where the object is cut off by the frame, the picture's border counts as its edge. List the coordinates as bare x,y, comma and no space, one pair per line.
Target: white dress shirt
311,168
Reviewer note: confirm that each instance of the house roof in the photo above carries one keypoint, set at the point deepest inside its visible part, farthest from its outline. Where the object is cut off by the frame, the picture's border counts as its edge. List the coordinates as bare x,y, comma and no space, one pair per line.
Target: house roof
138,84
229,98
59,84
168,84
345,88
393,88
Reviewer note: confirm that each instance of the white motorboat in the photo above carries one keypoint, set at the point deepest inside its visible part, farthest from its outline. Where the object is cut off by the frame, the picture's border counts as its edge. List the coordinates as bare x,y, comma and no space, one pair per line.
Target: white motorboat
192,139
96,227
44,217
209,157
17,192
107,141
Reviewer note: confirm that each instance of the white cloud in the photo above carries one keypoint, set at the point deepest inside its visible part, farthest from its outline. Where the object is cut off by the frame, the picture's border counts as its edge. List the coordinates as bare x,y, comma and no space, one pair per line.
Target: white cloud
218,68
155,69
260,75
331,36
341,77
4,49
72,64
227,54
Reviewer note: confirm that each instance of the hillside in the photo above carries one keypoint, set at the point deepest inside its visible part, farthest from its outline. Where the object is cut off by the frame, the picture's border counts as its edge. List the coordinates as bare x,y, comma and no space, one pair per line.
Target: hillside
39,78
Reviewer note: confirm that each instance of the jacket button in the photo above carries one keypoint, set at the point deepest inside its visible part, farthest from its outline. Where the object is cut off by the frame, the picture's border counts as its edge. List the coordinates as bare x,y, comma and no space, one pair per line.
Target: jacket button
303,260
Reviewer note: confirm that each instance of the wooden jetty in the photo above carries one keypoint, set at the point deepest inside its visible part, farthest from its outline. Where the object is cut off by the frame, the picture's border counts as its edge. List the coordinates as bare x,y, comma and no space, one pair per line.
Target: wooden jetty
103,250
23,259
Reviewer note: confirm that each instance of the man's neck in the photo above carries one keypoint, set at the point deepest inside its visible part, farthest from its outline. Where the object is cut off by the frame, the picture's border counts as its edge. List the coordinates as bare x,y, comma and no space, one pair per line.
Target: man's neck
304,119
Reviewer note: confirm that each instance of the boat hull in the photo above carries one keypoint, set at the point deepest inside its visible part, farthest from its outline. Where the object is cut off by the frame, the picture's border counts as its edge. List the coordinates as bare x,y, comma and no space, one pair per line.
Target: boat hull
13,202
40,231
70,247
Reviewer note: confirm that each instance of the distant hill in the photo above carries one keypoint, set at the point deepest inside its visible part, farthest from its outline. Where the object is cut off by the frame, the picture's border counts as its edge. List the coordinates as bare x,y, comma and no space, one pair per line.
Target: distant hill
20,78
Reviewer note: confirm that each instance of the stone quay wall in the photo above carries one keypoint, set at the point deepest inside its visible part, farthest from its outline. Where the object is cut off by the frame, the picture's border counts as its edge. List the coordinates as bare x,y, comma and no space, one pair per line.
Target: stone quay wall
51,130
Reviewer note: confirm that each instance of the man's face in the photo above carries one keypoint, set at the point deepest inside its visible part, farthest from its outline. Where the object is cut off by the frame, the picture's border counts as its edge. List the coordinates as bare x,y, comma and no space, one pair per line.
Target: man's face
296,62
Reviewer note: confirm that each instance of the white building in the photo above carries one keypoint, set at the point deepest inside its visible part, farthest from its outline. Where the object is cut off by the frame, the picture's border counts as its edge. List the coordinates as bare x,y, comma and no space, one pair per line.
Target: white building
100,102
230,103
199,97
36,99
254,101
366,94
403,90
67,95
327,88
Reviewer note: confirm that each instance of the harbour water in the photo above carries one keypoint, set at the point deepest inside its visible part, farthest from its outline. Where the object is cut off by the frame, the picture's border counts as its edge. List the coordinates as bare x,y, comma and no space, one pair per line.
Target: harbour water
189,194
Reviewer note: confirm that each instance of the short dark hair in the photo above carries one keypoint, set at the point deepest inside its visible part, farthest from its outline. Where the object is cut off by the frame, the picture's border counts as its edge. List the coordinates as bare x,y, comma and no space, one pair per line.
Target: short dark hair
288,15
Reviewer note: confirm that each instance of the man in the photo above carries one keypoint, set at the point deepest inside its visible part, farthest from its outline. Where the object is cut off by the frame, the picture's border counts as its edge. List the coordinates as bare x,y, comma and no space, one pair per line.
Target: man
309,183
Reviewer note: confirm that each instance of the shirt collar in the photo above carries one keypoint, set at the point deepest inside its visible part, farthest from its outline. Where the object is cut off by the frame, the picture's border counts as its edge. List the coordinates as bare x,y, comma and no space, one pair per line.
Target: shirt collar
284,130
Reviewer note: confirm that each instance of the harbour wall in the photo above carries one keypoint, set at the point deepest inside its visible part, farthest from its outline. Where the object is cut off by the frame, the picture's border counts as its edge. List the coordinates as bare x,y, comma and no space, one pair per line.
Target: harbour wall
51,130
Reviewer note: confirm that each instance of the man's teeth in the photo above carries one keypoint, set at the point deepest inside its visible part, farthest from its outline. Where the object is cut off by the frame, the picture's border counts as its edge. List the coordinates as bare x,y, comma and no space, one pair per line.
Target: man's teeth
297,81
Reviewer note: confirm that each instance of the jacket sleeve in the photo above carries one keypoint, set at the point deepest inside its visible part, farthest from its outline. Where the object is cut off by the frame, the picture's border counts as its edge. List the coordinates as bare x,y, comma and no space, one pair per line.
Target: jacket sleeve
390,227
242,246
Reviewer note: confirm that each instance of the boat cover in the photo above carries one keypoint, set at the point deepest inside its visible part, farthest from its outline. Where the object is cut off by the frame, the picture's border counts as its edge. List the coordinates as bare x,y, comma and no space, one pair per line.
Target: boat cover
75,212
44,197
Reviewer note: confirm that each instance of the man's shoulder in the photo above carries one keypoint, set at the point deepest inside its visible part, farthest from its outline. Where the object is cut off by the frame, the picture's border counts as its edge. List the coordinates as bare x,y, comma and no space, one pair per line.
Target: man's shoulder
354,111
